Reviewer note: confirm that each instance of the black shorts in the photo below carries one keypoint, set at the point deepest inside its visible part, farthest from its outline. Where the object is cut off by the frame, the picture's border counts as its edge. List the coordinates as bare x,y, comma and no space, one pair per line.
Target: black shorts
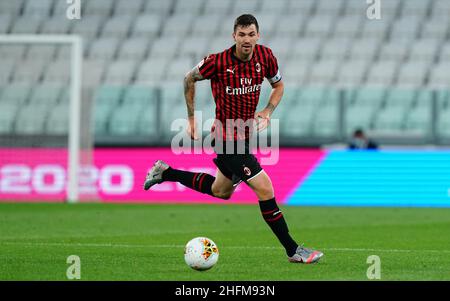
238,167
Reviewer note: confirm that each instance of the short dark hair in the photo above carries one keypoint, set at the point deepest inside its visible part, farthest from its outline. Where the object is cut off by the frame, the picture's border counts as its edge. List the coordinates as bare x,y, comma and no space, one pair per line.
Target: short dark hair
245,21
358,132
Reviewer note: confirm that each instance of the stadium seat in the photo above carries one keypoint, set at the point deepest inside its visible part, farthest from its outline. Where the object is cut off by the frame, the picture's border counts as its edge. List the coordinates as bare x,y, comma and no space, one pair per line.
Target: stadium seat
351,73
205,26
128,7
439,76
267,24
158,7
276,8
323,72
297,122
147,26
134,49
418,121
101,119
219,44
124,121
139,95
398,97
364,49
120,72
27,25
46,95
58,120
391,8
289,26
405,29
424,50
177,25
89,28
354,8
307,48
7,68
41,52
395,51
325,122
348,27
28,71
57,25
104,49
368,96
413,74
175,120
319,26
152,71
40,8
99,7
147,123
375,29
389,121
296,73
358,116
443,126
203,94
57,72
243,7
108,96
335,49
416,8
218,7
194,48
11,8
178,68
8,113
441,8
435,28
15,93
329,8
225,29
92,73
117,27
312,95
444,55
281,47
193,7
166,47
382,73
5,23
301,8
31,120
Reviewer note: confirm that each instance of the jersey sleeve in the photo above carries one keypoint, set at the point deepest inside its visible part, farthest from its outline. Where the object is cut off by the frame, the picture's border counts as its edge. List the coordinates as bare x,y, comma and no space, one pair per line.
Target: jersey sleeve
207,66
273,73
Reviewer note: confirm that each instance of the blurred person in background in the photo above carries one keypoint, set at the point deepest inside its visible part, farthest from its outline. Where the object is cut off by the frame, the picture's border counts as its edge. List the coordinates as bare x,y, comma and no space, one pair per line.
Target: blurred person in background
360,141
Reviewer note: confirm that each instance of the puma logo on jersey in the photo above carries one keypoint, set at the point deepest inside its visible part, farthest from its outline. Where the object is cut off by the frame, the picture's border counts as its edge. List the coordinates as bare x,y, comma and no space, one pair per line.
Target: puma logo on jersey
231,70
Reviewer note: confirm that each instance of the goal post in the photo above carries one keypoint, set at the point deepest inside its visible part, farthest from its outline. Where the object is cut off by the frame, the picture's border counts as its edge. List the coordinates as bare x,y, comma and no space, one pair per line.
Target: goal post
74,130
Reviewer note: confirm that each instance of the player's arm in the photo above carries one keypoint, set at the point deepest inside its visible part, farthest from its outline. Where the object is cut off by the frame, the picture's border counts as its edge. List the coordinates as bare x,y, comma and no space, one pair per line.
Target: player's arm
263,117
275,97
189,94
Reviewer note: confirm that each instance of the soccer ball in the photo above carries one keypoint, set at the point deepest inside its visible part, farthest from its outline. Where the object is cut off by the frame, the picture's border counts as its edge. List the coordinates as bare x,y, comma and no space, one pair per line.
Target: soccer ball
201,253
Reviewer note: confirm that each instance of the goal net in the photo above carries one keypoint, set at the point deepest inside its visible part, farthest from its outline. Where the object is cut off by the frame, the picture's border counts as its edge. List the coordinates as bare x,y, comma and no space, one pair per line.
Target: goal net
46,141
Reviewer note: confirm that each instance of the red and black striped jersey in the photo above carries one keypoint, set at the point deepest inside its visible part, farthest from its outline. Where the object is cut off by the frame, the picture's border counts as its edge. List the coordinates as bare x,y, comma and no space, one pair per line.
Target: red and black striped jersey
236,86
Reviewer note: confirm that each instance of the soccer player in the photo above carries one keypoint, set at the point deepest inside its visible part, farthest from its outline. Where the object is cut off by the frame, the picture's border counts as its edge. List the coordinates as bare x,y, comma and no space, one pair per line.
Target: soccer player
236,75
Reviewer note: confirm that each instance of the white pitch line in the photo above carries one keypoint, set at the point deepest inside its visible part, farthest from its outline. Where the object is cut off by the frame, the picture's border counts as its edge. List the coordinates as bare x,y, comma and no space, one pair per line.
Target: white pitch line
107,245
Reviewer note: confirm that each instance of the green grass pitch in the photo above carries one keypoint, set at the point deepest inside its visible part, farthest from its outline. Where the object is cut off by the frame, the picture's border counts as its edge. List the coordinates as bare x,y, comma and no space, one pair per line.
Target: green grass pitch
146,242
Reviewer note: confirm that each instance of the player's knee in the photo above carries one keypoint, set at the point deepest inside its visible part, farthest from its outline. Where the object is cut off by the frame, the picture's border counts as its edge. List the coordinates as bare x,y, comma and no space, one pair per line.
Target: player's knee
265,192
222,194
